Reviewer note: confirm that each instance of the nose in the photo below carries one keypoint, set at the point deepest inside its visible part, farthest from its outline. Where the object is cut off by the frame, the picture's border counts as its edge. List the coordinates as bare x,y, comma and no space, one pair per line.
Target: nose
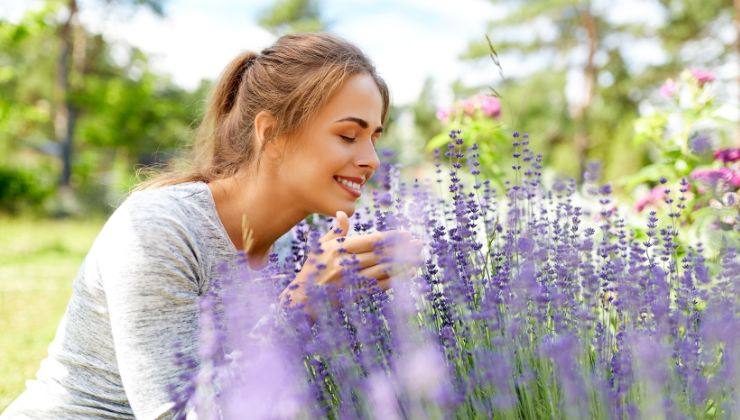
368,157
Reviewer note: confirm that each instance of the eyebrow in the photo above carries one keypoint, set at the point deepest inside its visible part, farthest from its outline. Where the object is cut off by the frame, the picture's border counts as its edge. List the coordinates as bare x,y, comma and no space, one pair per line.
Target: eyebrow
362,123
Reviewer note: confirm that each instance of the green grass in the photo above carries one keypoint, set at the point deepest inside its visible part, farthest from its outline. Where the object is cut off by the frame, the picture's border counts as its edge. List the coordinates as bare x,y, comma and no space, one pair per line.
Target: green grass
38,262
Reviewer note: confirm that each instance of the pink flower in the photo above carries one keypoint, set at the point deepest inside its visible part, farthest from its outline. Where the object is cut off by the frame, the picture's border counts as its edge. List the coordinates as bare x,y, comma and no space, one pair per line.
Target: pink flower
735,180
652,198
468,106
702,76
491,106
727,155
443,114
714,176
669,88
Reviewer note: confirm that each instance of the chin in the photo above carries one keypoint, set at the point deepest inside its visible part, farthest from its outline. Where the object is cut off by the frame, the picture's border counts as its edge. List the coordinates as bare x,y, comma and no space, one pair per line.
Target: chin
350,211
333,202
332,210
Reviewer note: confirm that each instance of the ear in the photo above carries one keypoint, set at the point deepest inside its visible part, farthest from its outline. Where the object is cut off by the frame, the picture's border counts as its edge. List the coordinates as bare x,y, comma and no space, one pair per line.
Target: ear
264,124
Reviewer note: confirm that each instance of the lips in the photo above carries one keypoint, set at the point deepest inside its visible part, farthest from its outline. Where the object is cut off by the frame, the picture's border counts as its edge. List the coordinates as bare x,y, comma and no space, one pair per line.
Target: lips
355,193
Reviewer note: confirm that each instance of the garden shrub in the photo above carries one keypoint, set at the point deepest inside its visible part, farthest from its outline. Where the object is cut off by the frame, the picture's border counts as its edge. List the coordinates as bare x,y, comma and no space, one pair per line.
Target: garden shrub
21,189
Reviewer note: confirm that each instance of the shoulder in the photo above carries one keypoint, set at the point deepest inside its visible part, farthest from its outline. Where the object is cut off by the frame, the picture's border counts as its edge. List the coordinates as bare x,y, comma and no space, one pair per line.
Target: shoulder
180,200
164,219
152,234
175,207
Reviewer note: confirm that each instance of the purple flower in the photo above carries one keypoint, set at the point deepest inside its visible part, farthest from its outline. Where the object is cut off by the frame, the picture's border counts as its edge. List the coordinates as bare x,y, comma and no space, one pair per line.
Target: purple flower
515,292
383,396
423,372
700,143
593,171
727,155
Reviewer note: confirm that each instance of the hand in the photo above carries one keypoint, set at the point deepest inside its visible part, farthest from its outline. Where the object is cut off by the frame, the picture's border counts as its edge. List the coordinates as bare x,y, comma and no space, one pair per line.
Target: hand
372,252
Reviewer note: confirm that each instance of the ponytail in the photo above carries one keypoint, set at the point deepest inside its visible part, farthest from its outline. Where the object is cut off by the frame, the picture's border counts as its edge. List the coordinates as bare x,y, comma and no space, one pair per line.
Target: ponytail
226,90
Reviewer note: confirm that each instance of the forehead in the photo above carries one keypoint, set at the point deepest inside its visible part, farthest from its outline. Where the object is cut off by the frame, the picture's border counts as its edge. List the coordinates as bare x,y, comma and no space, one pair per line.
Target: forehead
358,97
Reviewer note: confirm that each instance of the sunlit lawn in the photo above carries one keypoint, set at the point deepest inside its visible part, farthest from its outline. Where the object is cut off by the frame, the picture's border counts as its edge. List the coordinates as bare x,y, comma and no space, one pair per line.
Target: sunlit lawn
38,262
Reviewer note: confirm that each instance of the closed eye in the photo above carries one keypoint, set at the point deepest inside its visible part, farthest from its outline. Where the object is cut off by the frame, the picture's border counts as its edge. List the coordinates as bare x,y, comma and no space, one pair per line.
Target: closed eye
348,139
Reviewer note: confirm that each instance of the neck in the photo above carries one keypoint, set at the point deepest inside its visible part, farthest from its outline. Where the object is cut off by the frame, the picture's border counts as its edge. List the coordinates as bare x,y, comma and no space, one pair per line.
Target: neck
269,212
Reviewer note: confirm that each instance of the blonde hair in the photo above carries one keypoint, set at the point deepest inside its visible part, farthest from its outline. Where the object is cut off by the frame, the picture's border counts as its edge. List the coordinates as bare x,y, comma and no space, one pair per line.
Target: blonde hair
292,79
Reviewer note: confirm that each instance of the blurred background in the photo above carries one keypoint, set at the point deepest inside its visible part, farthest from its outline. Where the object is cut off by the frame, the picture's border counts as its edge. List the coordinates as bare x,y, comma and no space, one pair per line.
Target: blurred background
639,93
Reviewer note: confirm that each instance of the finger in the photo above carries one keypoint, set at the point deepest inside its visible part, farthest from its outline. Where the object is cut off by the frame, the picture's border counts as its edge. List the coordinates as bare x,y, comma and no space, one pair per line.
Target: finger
364,260
378,256
386,284
367,243
384,270
340,227
377,271
408,252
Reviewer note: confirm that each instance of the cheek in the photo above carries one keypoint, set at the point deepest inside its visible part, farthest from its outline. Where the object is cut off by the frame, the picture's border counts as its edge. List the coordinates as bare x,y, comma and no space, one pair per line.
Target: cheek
316,166
332,159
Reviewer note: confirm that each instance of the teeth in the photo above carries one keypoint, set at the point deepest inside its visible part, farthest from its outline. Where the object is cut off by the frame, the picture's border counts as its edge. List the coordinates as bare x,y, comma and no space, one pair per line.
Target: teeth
350,184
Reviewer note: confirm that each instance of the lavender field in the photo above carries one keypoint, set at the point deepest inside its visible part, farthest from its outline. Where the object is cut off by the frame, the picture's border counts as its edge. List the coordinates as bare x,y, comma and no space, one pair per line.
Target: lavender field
533,301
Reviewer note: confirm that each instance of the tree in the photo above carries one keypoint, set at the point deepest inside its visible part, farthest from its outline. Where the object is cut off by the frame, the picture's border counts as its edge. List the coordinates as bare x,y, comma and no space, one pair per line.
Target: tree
286,16
125,113
72,62
25,100
610,90
424,111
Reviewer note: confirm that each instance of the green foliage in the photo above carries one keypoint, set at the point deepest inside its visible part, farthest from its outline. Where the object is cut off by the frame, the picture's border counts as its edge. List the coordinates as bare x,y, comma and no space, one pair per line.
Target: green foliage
123,109
683,132
494,145
599,126
26,88
20,189
424,111
286,16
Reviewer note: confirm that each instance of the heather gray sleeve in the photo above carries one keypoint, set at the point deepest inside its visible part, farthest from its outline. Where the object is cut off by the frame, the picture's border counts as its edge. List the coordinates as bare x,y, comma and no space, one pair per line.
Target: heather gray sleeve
151,268
152,280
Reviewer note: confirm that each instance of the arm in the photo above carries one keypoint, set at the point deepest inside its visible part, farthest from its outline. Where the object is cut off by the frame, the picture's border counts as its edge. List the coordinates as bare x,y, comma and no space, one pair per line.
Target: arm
150,275
153,284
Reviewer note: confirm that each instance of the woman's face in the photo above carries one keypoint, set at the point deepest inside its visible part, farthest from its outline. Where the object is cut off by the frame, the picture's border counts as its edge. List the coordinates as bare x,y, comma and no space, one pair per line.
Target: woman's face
339,142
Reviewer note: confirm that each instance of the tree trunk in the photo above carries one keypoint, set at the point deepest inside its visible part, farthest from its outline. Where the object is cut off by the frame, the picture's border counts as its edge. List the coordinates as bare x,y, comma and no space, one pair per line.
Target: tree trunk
589,73
66,115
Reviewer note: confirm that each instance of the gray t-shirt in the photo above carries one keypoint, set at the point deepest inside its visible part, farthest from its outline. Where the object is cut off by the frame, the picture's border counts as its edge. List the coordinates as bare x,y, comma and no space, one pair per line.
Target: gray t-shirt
135,295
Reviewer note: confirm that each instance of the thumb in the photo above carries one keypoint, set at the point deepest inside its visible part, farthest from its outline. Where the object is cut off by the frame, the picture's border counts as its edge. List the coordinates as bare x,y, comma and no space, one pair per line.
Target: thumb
340,227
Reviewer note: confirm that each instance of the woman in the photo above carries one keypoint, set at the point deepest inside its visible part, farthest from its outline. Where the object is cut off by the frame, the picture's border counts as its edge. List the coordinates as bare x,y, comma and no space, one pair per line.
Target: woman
287,133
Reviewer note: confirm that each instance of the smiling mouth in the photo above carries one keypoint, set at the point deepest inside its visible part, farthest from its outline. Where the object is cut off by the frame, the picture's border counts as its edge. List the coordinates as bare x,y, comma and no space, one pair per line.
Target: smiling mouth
355,193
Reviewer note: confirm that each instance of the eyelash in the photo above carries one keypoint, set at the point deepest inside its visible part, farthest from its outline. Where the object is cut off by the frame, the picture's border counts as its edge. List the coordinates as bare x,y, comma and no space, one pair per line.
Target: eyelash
350,139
